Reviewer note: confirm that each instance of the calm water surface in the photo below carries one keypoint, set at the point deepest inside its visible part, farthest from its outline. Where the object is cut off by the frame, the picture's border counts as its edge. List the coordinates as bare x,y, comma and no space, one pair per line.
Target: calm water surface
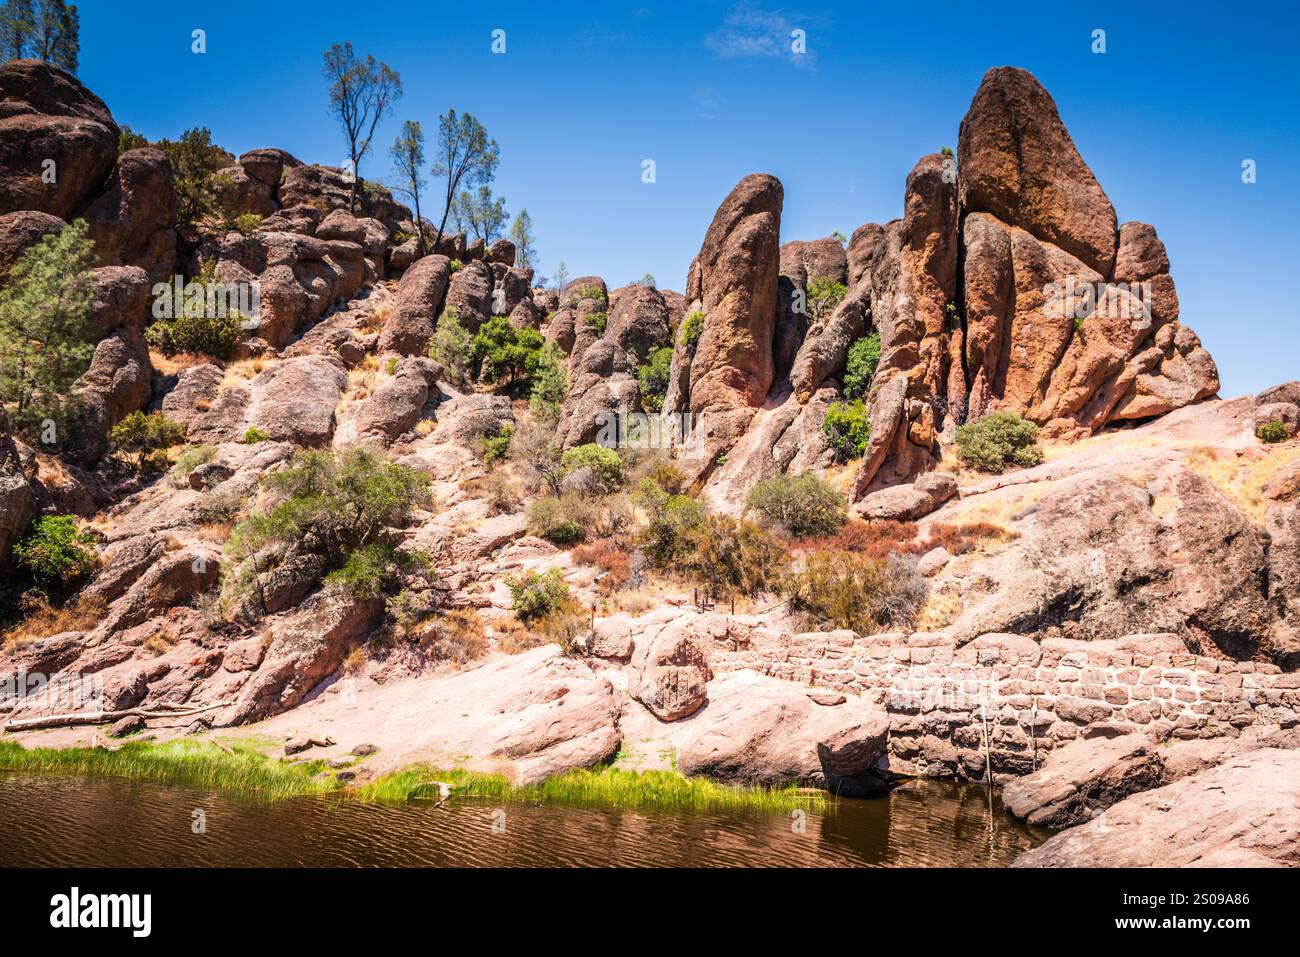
54,820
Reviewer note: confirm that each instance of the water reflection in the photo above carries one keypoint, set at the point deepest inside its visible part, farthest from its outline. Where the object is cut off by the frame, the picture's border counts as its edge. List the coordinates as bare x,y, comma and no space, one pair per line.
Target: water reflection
54,820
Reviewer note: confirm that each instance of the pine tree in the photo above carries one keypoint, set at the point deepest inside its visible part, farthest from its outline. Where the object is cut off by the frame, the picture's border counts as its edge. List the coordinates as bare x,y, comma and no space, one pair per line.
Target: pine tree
44,324
41,29
521,234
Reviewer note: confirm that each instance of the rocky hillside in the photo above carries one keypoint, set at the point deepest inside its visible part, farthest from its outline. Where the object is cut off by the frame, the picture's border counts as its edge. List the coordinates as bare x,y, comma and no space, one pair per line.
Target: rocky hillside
1139,584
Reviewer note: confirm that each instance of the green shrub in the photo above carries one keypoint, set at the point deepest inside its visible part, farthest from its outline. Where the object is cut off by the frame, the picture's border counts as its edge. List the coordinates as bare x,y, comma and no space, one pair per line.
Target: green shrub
391,365
559,520
338,501
533,596
597,321
652,379
505,353
860,368
997,441
253,435
824,294
666,535
56,551
457,265
847,428
248,223
840,589
604,463
370,569
548,383
496,446
729,557
800,505
1272,431
592,292
452,347
692,329
144,436
190,458
216,336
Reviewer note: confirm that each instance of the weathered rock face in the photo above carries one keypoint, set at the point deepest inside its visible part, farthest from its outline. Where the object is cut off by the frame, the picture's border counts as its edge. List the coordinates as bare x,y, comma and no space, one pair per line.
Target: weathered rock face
17,504
419,296
116,384
918,389
21,230
1244,813
300,276
1071,321
670,673
46,114
1085,777
734,281
1019,163
470,295
1096,560
133,222
292,401
308,646
399,401
602,370
756,729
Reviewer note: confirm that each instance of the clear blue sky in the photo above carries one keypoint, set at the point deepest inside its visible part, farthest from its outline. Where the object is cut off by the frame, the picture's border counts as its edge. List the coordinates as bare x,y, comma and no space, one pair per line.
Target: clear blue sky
710,92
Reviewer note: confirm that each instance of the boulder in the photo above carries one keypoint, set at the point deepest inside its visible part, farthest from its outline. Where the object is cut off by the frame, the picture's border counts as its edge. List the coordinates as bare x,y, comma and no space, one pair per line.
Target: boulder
340,224
415,306
47,115
192,392
502,251
670,672
133,222
239,194
761,730
1288,413
120,297
470,293
268,165
908,502
1080,780
294,400
1017,161
21,230
308,644
1286,392
1243,813
399,401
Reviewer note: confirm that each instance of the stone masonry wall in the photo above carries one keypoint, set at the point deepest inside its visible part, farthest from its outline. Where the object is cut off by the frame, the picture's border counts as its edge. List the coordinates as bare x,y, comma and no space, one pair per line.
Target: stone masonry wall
1022,697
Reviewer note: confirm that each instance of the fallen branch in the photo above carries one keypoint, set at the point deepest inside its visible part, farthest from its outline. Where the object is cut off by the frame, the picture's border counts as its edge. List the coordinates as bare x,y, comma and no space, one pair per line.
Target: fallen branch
99,717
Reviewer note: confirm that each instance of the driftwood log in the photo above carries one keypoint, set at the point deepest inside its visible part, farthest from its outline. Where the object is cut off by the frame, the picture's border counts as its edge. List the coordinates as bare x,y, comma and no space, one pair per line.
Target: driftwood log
100,717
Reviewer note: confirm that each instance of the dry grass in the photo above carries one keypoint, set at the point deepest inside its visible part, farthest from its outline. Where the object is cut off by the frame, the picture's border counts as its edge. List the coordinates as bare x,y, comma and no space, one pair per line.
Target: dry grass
41,619
375,321
456,635
244,369
940,610
170,365
160,642
1242,478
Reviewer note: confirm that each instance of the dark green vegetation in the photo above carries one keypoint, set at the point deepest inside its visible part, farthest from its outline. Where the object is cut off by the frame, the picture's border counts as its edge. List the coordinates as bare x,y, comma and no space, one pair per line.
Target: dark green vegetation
55,551
997,442
45,333
847,428
798,505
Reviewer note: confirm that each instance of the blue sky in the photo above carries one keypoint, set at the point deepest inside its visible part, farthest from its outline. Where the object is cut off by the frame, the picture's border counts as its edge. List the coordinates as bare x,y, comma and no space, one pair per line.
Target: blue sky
710,92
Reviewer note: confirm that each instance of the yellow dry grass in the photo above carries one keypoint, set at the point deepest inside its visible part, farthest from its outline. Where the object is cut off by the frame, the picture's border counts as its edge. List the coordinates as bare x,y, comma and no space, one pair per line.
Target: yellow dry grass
1243,476
41,619
939,611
